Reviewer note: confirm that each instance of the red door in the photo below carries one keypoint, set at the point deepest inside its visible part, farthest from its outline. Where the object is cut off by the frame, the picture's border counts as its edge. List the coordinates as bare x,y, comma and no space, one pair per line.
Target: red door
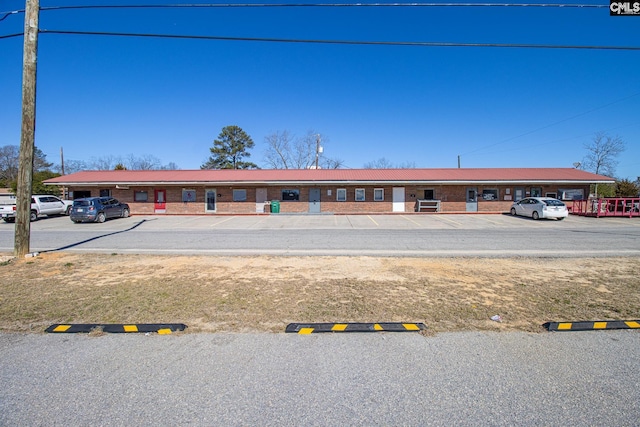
160,201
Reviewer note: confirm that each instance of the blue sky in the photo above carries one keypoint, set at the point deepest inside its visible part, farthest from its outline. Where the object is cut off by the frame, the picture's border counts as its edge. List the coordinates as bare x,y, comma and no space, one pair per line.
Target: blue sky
103,96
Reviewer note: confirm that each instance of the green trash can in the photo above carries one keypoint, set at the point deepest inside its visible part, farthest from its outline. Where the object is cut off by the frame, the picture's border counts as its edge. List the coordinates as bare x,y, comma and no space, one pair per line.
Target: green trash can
275,206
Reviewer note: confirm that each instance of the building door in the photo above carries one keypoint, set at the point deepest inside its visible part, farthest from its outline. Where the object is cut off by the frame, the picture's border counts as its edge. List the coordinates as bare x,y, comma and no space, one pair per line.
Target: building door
160,201
398,199
518,194
314,200
472,200
261,197
210,200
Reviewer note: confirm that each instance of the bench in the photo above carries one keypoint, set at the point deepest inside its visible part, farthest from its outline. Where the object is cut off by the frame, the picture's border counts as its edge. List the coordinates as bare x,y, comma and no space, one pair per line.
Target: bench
433,205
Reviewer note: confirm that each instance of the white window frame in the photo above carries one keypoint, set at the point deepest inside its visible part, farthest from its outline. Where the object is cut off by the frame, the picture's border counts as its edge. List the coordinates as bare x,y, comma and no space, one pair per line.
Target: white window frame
188,195
238,195
360,195
494,192
341,195
140,196
375,194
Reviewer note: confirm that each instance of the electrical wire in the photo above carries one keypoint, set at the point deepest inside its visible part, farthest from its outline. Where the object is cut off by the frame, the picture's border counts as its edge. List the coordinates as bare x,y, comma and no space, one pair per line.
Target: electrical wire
13,12
278,5
553,124
342,42
8,36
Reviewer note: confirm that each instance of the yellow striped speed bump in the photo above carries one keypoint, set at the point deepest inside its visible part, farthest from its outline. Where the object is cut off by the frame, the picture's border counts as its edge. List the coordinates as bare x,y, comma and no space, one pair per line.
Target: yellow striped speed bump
592,326
314,328
160,328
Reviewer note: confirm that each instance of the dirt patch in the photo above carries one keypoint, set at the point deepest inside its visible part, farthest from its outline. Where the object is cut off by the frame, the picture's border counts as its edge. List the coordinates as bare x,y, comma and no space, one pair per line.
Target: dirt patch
265,293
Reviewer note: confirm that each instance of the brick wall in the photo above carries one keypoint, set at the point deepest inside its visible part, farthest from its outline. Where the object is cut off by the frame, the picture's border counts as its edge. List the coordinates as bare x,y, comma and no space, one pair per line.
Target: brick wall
453,198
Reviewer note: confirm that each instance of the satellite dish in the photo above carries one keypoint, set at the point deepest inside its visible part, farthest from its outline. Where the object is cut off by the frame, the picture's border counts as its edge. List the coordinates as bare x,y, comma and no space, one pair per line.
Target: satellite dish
577,165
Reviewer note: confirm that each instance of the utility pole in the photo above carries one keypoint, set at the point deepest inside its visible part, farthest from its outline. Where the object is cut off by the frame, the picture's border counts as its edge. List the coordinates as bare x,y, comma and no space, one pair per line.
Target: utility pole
318,149
27,135
61,161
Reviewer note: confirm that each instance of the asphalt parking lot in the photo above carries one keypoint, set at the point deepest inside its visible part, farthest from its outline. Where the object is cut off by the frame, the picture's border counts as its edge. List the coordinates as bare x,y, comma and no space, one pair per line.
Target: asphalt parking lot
288,221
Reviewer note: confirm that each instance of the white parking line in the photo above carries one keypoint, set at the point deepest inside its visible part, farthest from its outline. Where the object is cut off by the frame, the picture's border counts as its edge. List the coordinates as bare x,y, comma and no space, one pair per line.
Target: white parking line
410,220
223,221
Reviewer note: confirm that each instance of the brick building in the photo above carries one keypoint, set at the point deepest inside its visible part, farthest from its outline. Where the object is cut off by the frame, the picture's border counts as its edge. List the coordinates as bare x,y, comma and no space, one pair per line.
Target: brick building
339,191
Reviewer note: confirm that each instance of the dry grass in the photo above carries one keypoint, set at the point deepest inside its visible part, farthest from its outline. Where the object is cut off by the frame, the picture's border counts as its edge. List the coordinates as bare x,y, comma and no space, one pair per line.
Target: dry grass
265,293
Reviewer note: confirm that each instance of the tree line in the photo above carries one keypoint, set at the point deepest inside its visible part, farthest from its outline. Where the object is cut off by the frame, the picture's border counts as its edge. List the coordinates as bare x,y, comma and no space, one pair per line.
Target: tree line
232,150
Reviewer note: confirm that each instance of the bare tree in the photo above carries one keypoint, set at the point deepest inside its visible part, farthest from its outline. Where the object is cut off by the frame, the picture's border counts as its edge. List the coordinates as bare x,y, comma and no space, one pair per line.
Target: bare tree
104,163
284,151
145,162
73,166
381,163
602,153
278,153
9,161
327,163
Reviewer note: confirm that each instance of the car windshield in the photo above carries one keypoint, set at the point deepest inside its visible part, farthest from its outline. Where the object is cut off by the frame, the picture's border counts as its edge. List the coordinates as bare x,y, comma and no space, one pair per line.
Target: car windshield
553,202
82,203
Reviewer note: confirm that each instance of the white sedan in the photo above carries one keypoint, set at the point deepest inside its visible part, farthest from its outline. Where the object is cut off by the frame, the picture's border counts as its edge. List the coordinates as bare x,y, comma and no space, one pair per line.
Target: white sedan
540,207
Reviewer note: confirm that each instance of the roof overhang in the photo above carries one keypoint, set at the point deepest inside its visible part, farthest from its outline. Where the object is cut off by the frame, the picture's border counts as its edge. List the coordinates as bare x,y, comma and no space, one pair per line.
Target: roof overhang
328,182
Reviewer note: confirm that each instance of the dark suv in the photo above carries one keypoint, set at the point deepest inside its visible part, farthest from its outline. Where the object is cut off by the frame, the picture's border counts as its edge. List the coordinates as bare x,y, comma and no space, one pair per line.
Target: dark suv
98,209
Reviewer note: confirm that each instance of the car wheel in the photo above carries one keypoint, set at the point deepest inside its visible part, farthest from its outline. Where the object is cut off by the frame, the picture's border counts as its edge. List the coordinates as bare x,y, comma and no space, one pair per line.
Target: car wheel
125,213
33,216
68,211
101,217
513,211
535,215
75,221
561,218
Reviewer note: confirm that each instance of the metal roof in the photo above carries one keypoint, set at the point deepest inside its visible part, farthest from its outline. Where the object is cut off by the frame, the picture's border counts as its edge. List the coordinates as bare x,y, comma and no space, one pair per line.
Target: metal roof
449,176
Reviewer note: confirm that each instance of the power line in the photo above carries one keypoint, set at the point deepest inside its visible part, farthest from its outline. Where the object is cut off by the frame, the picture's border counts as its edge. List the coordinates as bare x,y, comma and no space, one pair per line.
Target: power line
553,124
357,5
343,42
8,36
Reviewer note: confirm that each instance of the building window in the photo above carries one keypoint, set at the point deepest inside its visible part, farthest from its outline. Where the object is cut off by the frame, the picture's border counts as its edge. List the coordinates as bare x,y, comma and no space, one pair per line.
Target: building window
239,195
378,194
490,194
341,194
188,195
571,194
140,196
552,195
105,192
291,195
359,194
429,194
536,192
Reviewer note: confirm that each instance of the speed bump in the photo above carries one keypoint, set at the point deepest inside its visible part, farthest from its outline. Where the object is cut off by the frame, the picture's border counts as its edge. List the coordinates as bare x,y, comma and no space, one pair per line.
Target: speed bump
314,328
592,325
160,328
